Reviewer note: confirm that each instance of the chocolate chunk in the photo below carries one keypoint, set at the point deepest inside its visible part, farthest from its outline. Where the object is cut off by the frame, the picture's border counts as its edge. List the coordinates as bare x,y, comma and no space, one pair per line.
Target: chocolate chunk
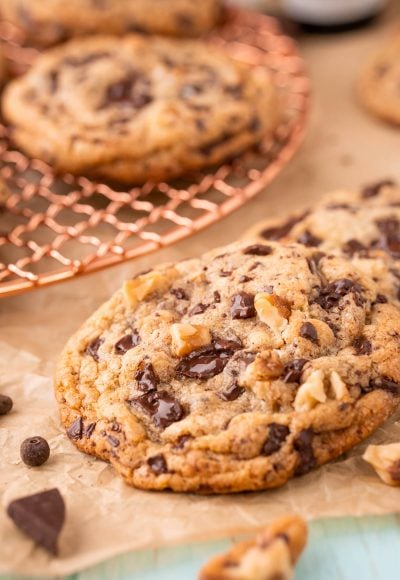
303,446
313,263
308,239
244,279
353,246
127,342
208,361
293,370
158,464
331,294
242,306
182,440
179,293
278,232
162,407
374,189
34,451
277,435
93,348
6,404
126,92
383,383
309,332
257,250
146,378
113,441
88,431
231,393
380,299
217,297
225,273
41,517
362,346
390,236
75,430
198,309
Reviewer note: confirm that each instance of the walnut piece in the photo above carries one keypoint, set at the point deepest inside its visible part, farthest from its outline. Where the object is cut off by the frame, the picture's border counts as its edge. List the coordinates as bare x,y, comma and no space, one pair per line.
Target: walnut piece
187,337
271,555
137,289
266,366
314,390
385,459
272,310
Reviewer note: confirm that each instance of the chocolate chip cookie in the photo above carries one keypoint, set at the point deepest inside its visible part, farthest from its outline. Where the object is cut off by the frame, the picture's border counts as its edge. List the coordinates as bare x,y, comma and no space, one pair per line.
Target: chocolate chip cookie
362,225
269,556
232,372
47,22
380,80
138,109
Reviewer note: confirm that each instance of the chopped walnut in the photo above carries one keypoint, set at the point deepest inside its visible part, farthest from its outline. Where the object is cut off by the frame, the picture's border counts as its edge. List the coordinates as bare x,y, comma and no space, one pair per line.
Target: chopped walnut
385,459
269,556
137,289
314,390
265,367
187,337
272,310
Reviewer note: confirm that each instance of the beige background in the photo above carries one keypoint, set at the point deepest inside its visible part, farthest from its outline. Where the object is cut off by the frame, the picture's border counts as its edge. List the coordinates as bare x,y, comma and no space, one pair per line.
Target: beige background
344,148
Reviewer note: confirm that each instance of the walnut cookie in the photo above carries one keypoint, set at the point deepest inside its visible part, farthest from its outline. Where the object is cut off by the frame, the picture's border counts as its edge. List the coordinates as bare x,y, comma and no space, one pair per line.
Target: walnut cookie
232,372
47,22
137,109
362,225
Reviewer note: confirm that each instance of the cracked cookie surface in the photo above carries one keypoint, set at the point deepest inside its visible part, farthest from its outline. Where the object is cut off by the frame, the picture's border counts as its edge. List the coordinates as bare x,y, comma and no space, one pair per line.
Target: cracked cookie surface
47,22
138,109
232,372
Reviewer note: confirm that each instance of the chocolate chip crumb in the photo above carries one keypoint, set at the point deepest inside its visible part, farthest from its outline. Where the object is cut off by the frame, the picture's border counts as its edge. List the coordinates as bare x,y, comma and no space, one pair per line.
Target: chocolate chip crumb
362,346
34,451
309,332
231,393
179,293
198,309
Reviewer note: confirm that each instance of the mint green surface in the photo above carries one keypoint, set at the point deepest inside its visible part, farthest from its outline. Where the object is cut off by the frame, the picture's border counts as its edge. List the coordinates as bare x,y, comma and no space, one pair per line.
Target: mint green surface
338,549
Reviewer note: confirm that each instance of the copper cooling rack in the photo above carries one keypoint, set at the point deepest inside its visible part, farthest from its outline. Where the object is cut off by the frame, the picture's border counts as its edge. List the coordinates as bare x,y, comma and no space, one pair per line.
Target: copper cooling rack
54,228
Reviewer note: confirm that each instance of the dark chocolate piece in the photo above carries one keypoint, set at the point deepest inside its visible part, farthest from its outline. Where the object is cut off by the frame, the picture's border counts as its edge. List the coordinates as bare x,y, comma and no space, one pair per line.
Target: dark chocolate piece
34,451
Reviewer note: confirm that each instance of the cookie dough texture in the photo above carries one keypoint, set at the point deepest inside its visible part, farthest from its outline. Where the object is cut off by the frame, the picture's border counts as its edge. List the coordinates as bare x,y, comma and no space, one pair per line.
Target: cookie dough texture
270,556
379,82
47,22
138,109
232,372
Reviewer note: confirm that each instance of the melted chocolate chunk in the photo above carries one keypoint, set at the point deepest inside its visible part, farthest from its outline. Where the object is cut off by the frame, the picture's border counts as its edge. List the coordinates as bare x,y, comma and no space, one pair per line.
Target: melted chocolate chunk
353,246
303,446
157,464
385,384
308,239
362,346
162,407
331,294
278,232
293,370
198,309
208,361
93,348
146,378
41,517
277,435
88,430
242,306
231,393
127,342
126,92
257,250
390,236
375,188
309,332
179,293
6,404
75,430
34,451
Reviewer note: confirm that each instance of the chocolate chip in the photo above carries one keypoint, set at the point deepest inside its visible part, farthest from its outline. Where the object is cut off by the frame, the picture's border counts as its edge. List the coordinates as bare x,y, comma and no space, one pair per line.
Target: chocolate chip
293,370
179,293
6,404
332,293
231,393
362,346
380,299
309,332
390,236
162,407
385,384
113,441
127,342
93,348
313,262
88,431
242,306
308,239
217,297
126,92
303,446
34,451
353,246
257,250
278,232
182,440
375,188
277,435
208,361
75,430
225,273
158,464
244,279
41,517
198,309
146,377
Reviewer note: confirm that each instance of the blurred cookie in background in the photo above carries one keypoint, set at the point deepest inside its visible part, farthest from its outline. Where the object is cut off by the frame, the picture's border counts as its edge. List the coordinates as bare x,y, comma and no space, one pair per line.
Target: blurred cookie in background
47,22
